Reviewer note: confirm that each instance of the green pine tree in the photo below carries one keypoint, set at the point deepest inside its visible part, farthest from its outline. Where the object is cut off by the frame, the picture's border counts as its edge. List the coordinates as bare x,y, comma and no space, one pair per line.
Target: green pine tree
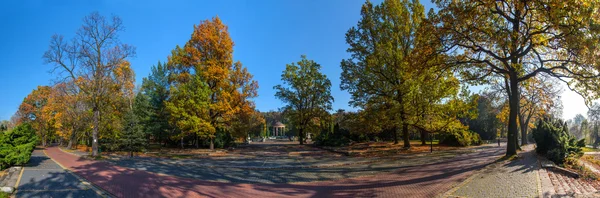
133,139
155,117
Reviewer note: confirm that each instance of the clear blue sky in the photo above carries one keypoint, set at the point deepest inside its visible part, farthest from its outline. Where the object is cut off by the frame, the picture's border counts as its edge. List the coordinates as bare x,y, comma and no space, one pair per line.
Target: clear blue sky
267,35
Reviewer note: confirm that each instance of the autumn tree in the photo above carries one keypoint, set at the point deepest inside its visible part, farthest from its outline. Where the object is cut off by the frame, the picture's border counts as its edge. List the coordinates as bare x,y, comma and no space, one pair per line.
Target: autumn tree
538,96
486,124
208,56
35,109
247,120
72,115
395,61
189,107
307,93
517,40
91,59
246,117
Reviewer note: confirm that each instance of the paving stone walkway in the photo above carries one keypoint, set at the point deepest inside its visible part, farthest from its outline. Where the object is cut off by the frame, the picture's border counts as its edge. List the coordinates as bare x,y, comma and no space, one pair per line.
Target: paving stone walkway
512,178
283,169
278,175
424,180
43,177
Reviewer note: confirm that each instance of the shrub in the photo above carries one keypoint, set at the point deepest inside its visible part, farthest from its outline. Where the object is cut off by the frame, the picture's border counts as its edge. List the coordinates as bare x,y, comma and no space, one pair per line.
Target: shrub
222,139
553,140
461,138
339,137
359,137
16,146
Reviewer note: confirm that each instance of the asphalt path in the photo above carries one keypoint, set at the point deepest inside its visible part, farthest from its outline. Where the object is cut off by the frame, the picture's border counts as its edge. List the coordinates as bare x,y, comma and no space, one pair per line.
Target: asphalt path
43,177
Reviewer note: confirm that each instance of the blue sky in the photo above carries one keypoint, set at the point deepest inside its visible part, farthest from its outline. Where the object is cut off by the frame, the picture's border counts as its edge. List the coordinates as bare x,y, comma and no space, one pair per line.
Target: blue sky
267,35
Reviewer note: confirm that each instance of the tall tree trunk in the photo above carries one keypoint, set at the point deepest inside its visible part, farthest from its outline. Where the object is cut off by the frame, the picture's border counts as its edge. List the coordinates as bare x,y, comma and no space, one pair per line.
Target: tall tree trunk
197,139
212,144
160,138
395,131
423,137
404,125
44,140
511,148
301,136
523,130
182,142
95,131
404,129
513,90
405,135
72,139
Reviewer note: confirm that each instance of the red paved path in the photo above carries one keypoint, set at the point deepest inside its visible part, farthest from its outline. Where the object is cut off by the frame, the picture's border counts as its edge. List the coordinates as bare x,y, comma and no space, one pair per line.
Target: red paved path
413,181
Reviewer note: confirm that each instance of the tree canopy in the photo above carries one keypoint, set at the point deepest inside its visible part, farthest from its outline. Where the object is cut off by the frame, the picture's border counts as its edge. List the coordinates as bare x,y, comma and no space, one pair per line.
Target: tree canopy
395,63
517,40
307,94
96,61
207,60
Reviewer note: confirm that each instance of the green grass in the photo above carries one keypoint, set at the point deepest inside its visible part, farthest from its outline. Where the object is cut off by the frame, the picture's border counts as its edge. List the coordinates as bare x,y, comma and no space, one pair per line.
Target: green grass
586,149
418,142
4,195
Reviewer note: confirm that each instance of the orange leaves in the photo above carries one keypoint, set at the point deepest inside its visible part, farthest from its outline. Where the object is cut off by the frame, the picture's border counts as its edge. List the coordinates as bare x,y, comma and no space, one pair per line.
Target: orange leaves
209,52
208,56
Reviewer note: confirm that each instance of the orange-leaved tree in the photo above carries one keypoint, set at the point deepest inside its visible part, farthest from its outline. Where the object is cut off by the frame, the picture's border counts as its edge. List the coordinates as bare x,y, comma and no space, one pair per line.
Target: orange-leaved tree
207,60
91,59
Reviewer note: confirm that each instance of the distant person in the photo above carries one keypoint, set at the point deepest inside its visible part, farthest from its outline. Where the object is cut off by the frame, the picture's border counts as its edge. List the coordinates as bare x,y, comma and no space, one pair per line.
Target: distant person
498,142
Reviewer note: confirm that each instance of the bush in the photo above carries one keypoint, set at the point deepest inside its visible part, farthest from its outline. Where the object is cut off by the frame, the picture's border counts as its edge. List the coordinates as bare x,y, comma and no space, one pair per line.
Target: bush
461,138
16,146
339,137
359,137
222,140
553,140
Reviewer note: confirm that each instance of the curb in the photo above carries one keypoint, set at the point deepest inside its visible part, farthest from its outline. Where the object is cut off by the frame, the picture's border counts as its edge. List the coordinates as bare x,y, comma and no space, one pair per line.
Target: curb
13,189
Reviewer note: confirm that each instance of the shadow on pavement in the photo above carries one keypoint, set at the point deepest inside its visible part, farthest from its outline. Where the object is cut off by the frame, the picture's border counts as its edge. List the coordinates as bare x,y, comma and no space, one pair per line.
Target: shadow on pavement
414,181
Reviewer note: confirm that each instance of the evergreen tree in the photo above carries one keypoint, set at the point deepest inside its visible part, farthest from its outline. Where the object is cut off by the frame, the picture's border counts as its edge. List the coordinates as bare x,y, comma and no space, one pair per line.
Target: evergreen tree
133,136
156,91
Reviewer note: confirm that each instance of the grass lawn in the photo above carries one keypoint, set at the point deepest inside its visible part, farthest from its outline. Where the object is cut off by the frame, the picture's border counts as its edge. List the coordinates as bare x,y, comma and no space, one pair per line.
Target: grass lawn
418,142
587,149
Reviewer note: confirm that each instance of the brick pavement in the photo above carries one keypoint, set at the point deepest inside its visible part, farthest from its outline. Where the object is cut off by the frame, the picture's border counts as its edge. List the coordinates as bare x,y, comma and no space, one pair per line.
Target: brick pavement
512,178
427,180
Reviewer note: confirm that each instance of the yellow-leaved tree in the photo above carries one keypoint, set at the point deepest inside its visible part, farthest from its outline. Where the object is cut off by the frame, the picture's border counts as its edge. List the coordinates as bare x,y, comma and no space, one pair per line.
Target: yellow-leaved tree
205,62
